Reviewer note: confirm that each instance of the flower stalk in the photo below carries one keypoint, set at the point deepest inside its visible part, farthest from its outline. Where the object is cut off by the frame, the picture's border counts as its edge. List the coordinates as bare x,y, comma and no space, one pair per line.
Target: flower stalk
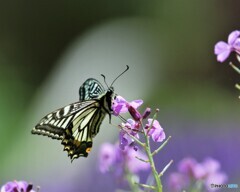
128,154
161,146
152,164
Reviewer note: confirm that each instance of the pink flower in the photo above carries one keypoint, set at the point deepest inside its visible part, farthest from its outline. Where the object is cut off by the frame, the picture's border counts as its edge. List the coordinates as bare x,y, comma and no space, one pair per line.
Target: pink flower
187,166
156,131
177,182
107,157
130,127
17,186
213,173
189,169
223,49
120,105
133,164
111,157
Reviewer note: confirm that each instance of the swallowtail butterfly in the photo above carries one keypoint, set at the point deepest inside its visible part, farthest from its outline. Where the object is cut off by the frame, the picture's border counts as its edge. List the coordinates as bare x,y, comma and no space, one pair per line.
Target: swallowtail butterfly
76,124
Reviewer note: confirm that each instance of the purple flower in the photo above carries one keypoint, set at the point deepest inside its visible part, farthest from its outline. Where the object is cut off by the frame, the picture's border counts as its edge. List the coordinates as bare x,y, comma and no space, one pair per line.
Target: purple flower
17,186
177,182
133,164
207,172
107,157
130,127
111,157
213,173
156,131
187,165
223,49
120,105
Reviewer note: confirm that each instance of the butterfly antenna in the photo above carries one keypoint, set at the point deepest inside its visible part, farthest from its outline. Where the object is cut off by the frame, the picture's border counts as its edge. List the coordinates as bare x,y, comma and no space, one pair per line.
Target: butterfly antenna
119,75
105,80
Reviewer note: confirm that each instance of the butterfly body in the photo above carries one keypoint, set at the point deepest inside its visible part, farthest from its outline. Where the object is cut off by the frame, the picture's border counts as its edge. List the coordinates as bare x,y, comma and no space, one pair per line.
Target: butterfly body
76,124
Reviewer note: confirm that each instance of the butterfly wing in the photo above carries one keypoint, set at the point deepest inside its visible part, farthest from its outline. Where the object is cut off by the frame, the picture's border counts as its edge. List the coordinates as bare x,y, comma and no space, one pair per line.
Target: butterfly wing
75,124
90,89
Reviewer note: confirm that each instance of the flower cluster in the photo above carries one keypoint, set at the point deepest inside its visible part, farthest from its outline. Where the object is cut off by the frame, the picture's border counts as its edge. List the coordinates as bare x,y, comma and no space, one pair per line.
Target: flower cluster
192,174
132,126
223,49
17,186
125,159
118,160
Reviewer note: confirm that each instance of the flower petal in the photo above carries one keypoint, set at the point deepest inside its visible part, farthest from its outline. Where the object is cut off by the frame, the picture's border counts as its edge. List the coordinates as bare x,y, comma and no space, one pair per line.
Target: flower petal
133,164
220,47
177,182
236,45
136,103
233,36
222,50
158,135
211,165
119,105
223,56
187,165
22,185
9,186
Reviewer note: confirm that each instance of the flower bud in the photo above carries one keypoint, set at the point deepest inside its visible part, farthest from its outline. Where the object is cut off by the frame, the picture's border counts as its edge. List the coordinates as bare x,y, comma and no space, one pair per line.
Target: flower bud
146,113
134,113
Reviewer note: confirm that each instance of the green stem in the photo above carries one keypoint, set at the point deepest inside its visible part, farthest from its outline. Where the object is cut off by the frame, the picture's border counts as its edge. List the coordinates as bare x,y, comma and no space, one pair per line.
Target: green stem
146,186
237,86
165,168
235,67
151,161
157,150
143,160
132,184
134,138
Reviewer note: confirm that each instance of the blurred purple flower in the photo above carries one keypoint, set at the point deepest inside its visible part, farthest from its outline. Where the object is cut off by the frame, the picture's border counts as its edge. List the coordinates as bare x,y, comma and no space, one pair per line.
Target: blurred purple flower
130,127
156,131
213,173
111,157
177,182
189,169
134,165
107,157
223,49
120,105
17,186
187,166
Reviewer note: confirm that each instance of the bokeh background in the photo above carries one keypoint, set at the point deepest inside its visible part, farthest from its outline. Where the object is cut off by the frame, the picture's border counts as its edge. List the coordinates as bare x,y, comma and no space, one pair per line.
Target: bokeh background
48,49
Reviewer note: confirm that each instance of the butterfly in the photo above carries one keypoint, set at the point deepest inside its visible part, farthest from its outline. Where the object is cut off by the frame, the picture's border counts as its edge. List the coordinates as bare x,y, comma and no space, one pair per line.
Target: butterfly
78,123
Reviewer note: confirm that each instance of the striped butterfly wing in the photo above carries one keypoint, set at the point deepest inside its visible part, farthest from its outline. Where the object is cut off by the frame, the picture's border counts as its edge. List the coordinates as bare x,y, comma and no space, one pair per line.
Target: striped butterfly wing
76,125
91,89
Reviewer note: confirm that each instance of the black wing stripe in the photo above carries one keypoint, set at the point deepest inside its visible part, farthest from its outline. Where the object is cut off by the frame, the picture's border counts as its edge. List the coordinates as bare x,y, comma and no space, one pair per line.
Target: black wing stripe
61,122
47,130
99,116
67,122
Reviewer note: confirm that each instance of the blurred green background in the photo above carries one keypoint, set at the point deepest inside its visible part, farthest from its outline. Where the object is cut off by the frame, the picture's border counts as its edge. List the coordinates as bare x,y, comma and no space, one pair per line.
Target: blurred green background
48,49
